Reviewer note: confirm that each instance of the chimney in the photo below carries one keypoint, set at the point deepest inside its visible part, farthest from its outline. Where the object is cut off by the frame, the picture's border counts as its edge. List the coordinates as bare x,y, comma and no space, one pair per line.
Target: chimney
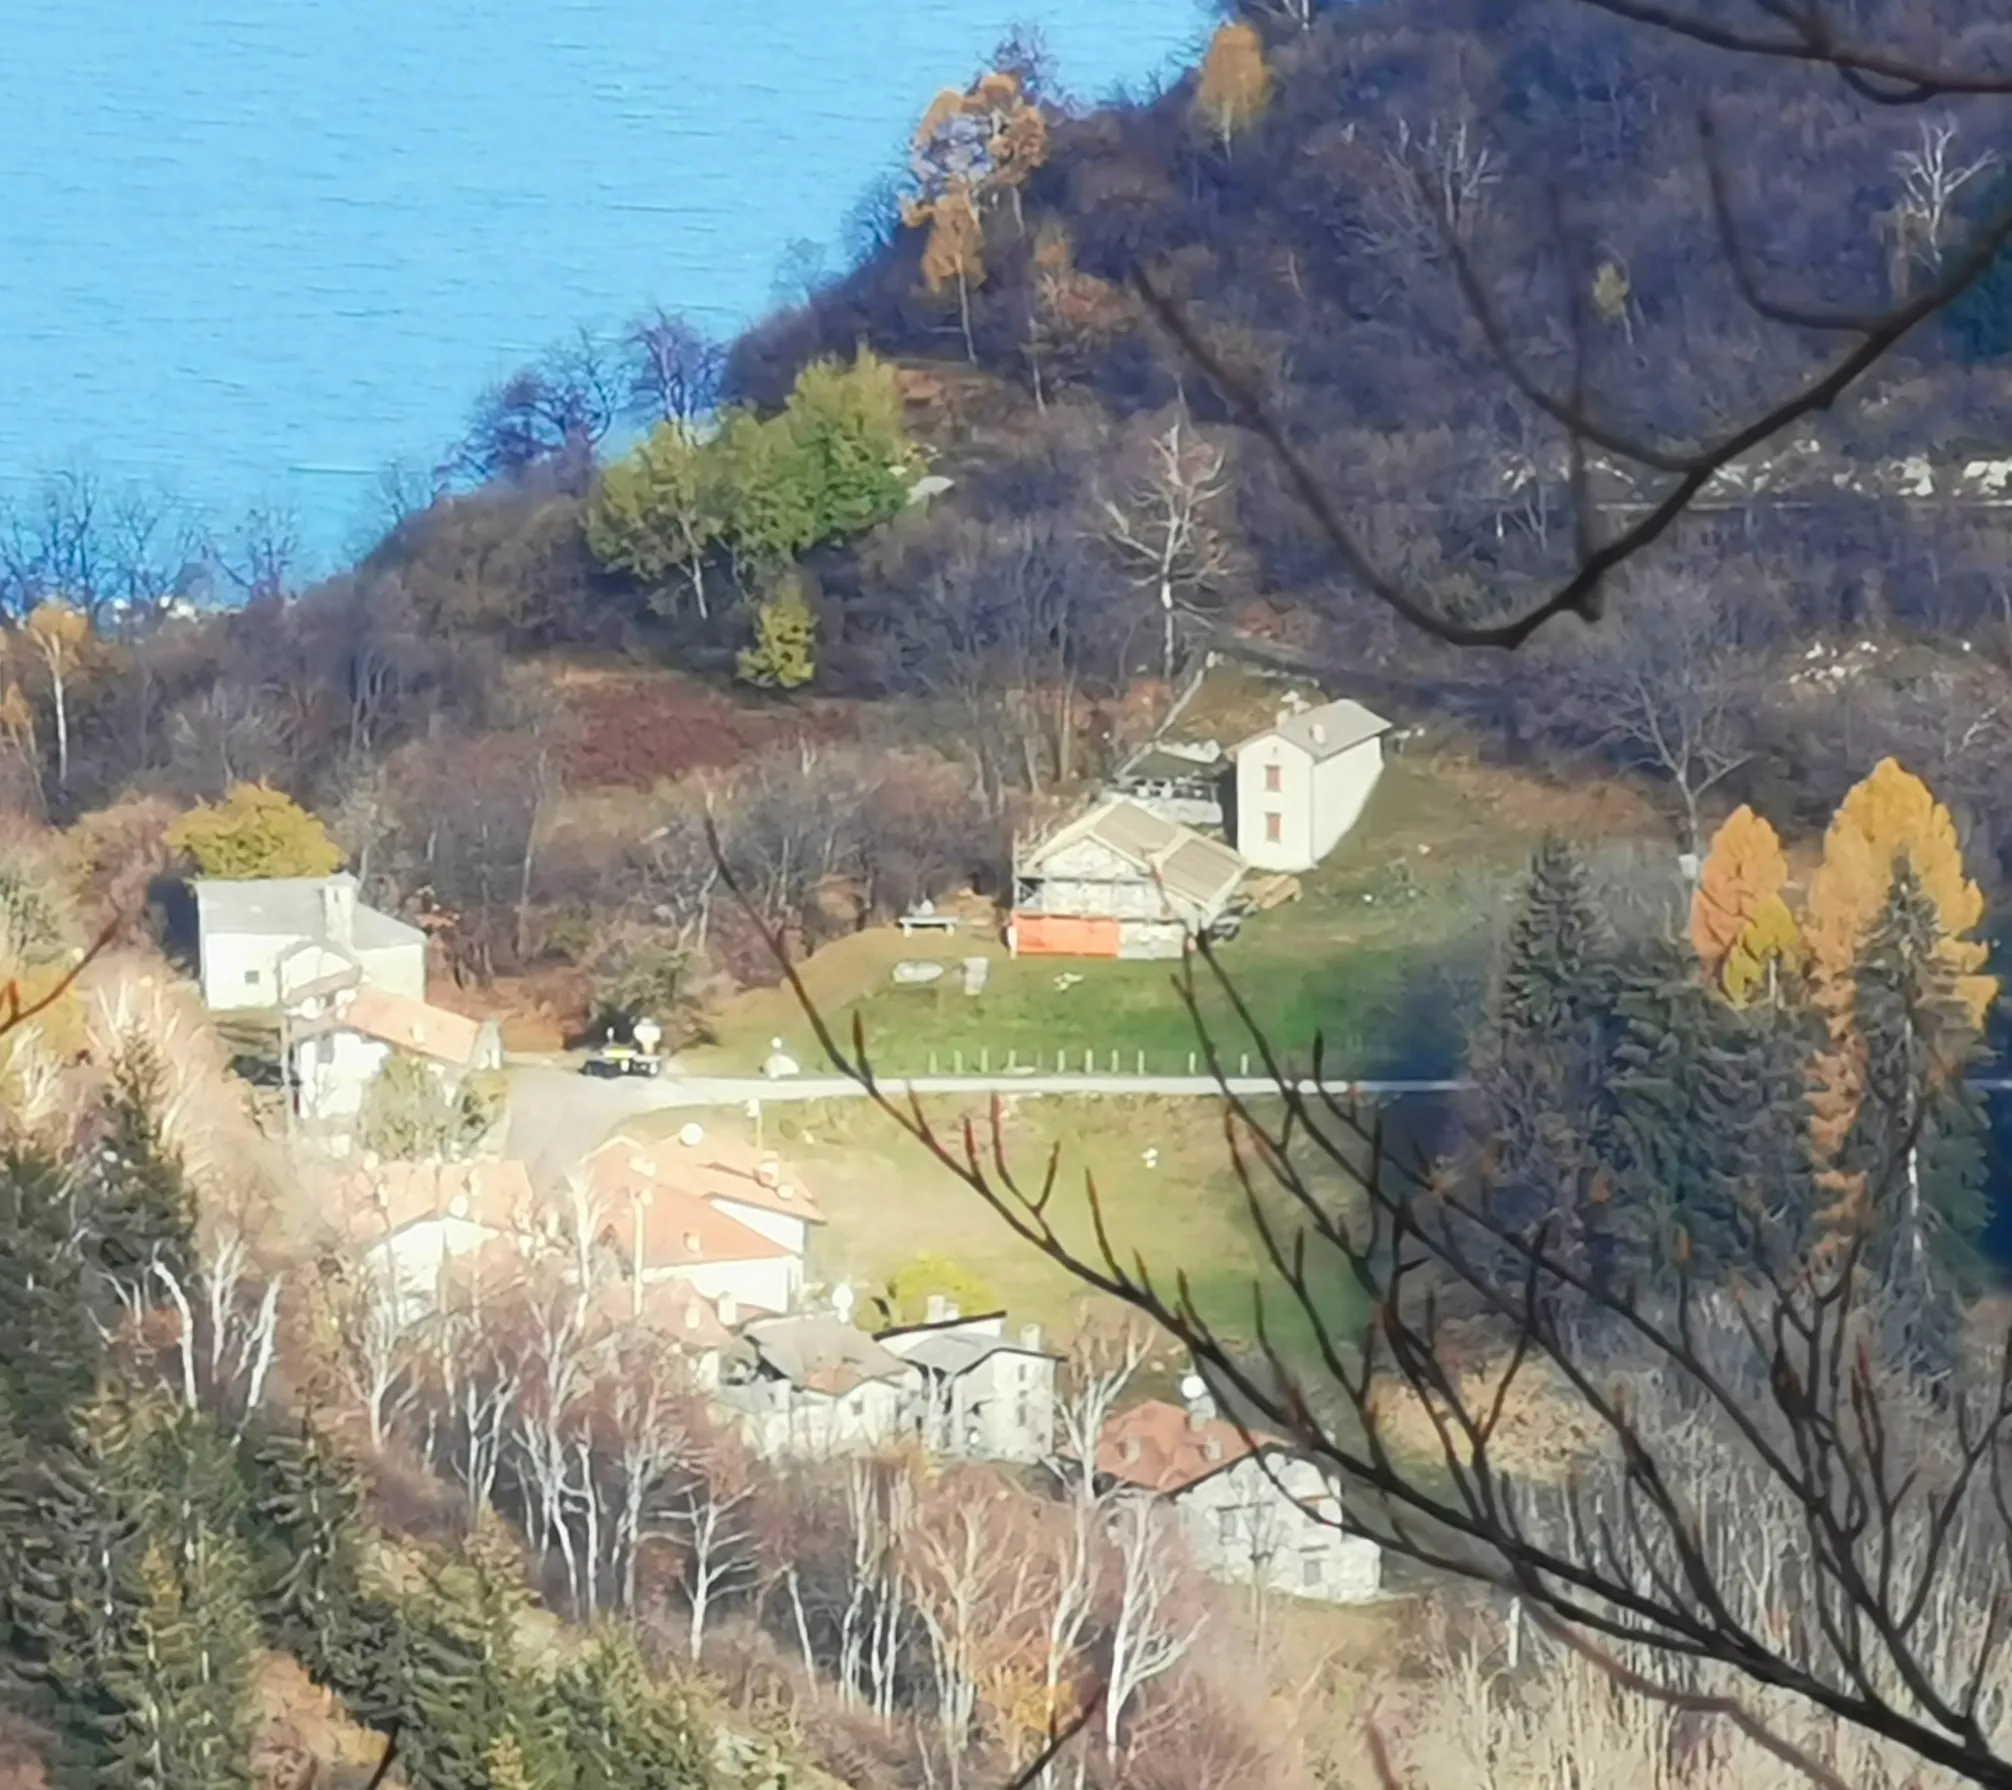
1130,1449
338,910
934,1309
1030,1336
1212,1447
769,1174
728,1308
1320,733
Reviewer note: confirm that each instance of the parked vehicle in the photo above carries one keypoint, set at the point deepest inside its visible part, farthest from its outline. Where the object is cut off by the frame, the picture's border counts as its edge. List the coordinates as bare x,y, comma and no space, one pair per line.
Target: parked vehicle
612,1060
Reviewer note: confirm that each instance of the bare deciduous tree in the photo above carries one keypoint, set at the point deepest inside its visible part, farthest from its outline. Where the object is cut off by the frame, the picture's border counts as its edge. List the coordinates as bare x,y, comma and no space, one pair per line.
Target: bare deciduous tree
1167,526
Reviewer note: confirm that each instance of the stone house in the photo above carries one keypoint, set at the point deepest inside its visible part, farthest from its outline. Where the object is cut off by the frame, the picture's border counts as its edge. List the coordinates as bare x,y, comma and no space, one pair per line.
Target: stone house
813,1385
259,941
1251,1511
1301,783
980,1394
1119,881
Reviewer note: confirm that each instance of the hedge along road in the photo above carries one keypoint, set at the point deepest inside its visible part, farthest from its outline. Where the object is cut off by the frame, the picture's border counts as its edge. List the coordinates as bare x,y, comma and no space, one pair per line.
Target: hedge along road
558,1115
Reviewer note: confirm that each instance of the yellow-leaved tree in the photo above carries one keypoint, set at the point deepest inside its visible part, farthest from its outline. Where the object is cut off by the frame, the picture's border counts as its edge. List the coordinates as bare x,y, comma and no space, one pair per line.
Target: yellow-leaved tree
1235,85
1741,926
255,831
1889,819
784,654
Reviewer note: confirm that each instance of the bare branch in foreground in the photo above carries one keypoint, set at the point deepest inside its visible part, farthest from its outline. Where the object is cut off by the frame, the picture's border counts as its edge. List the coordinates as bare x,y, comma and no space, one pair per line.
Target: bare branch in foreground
1688,467
1808,37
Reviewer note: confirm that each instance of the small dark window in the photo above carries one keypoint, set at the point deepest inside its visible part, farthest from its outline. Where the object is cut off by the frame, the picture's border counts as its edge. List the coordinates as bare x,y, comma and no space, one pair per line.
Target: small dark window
1274,827
251,978
1310,1571
1271,781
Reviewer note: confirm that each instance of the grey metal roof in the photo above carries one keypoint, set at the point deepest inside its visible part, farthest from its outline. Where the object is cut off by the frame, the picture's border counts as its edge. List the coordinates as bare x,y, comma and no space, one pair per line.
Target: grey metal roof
1331,728
959,1352
290,907
1156,765
1196,871
821,1352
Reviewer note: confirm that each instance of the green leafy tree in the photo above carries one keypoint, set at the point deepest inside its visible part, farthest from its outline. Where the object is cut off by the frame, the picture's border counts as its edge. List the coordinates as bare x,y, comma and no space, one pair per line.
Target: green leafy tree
850,432
784,653
771,497
255,831
658,514
409,1113
1707,1135
905,1298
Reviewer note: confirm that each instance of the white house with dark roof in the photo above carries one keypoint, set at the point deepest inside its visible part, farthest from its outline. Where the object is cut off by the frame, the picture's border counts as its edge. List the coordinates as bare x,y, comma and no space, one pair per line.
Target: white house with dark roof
1119,881
261,940
1302,783
980,1394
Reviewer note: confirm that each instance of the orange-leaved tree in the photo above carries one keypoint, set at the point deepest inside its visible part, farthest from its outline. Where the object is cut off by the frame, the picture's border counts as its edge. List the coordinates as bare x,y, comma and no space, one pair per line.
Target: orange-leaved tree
1235,85
1888,821
1741,925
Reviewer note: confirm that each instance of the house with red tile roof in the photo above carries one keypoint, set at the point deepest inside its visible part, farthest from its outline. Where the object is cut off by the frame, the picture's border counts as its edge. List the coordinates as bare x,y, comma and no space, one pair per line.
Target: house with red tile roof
422,1222
1252,1510
731,1220
341,1036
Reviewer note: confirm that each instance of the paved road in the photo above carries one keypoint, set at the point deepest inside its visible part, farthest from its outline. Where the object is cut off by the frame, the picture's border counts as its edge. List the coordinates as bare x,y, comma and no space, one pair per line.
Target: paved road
557,1115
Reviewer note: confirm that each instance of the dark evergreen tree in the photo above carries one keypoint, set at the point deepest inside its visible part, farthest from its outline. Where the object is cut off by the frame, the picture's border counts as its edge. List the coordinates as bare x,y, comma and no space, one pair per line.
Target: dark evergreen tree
50,1347
77,1532
1918,1138
624,1731
470,1698
139,1205
181,1690
1707,1133
311,1540
1542,1062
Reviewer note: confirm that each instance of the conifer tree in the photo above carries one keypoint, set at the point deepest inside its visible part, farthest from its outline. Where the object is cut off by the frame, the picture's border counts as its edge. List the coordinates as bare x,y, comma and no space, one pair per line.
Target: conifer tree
140,1206
307,1509
469,1687
50,1348
181,1688
624,1731
1915,1152
1542,1060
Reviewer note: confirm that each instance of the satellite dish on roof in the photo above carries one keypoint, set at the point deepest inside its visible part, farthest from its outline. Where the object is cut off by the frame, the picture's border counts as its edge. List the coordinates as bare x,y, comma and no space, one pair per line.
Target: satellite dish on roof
1193,1386
691,1135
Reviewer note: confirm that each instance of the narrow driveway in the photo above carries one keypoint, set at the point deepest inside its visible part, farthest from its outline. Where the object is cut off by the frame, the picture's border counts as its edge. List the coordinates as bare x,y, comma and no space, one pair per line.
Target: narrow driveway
557,1115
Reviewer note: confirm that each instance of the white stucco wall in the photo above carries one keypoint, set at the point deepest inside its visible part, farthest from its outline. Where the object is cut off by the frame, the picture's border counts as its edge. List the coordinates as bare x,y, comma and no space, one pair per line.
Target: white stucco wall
415,1256
1241,1527
1317,803
1008,1399
756,1286
240,970
1341,788
790,1422
778,1227
334,1073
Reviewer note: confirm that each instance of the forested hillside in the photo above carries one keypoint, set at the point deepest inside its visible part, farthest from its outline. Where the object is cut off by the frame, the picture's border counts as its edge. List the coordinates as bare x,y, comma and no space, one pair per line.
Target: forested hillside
934,587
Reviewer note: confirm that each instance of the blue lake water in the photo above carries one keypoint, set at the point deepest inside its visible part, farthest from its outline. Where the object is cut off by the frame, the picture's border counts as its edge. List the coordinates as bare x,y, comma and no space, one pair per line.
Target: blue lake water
251,251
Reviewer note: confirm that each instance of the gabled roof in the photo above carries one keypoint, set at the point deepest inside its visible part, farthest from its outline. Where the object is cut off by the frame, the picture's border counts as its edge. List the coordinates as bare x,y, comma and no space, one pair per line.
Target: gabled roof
1323,732
715,1169
1161,1448
291,907
681,1230
380,1199
399,1020
953,1346
1197,872
674,1309
820,1353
